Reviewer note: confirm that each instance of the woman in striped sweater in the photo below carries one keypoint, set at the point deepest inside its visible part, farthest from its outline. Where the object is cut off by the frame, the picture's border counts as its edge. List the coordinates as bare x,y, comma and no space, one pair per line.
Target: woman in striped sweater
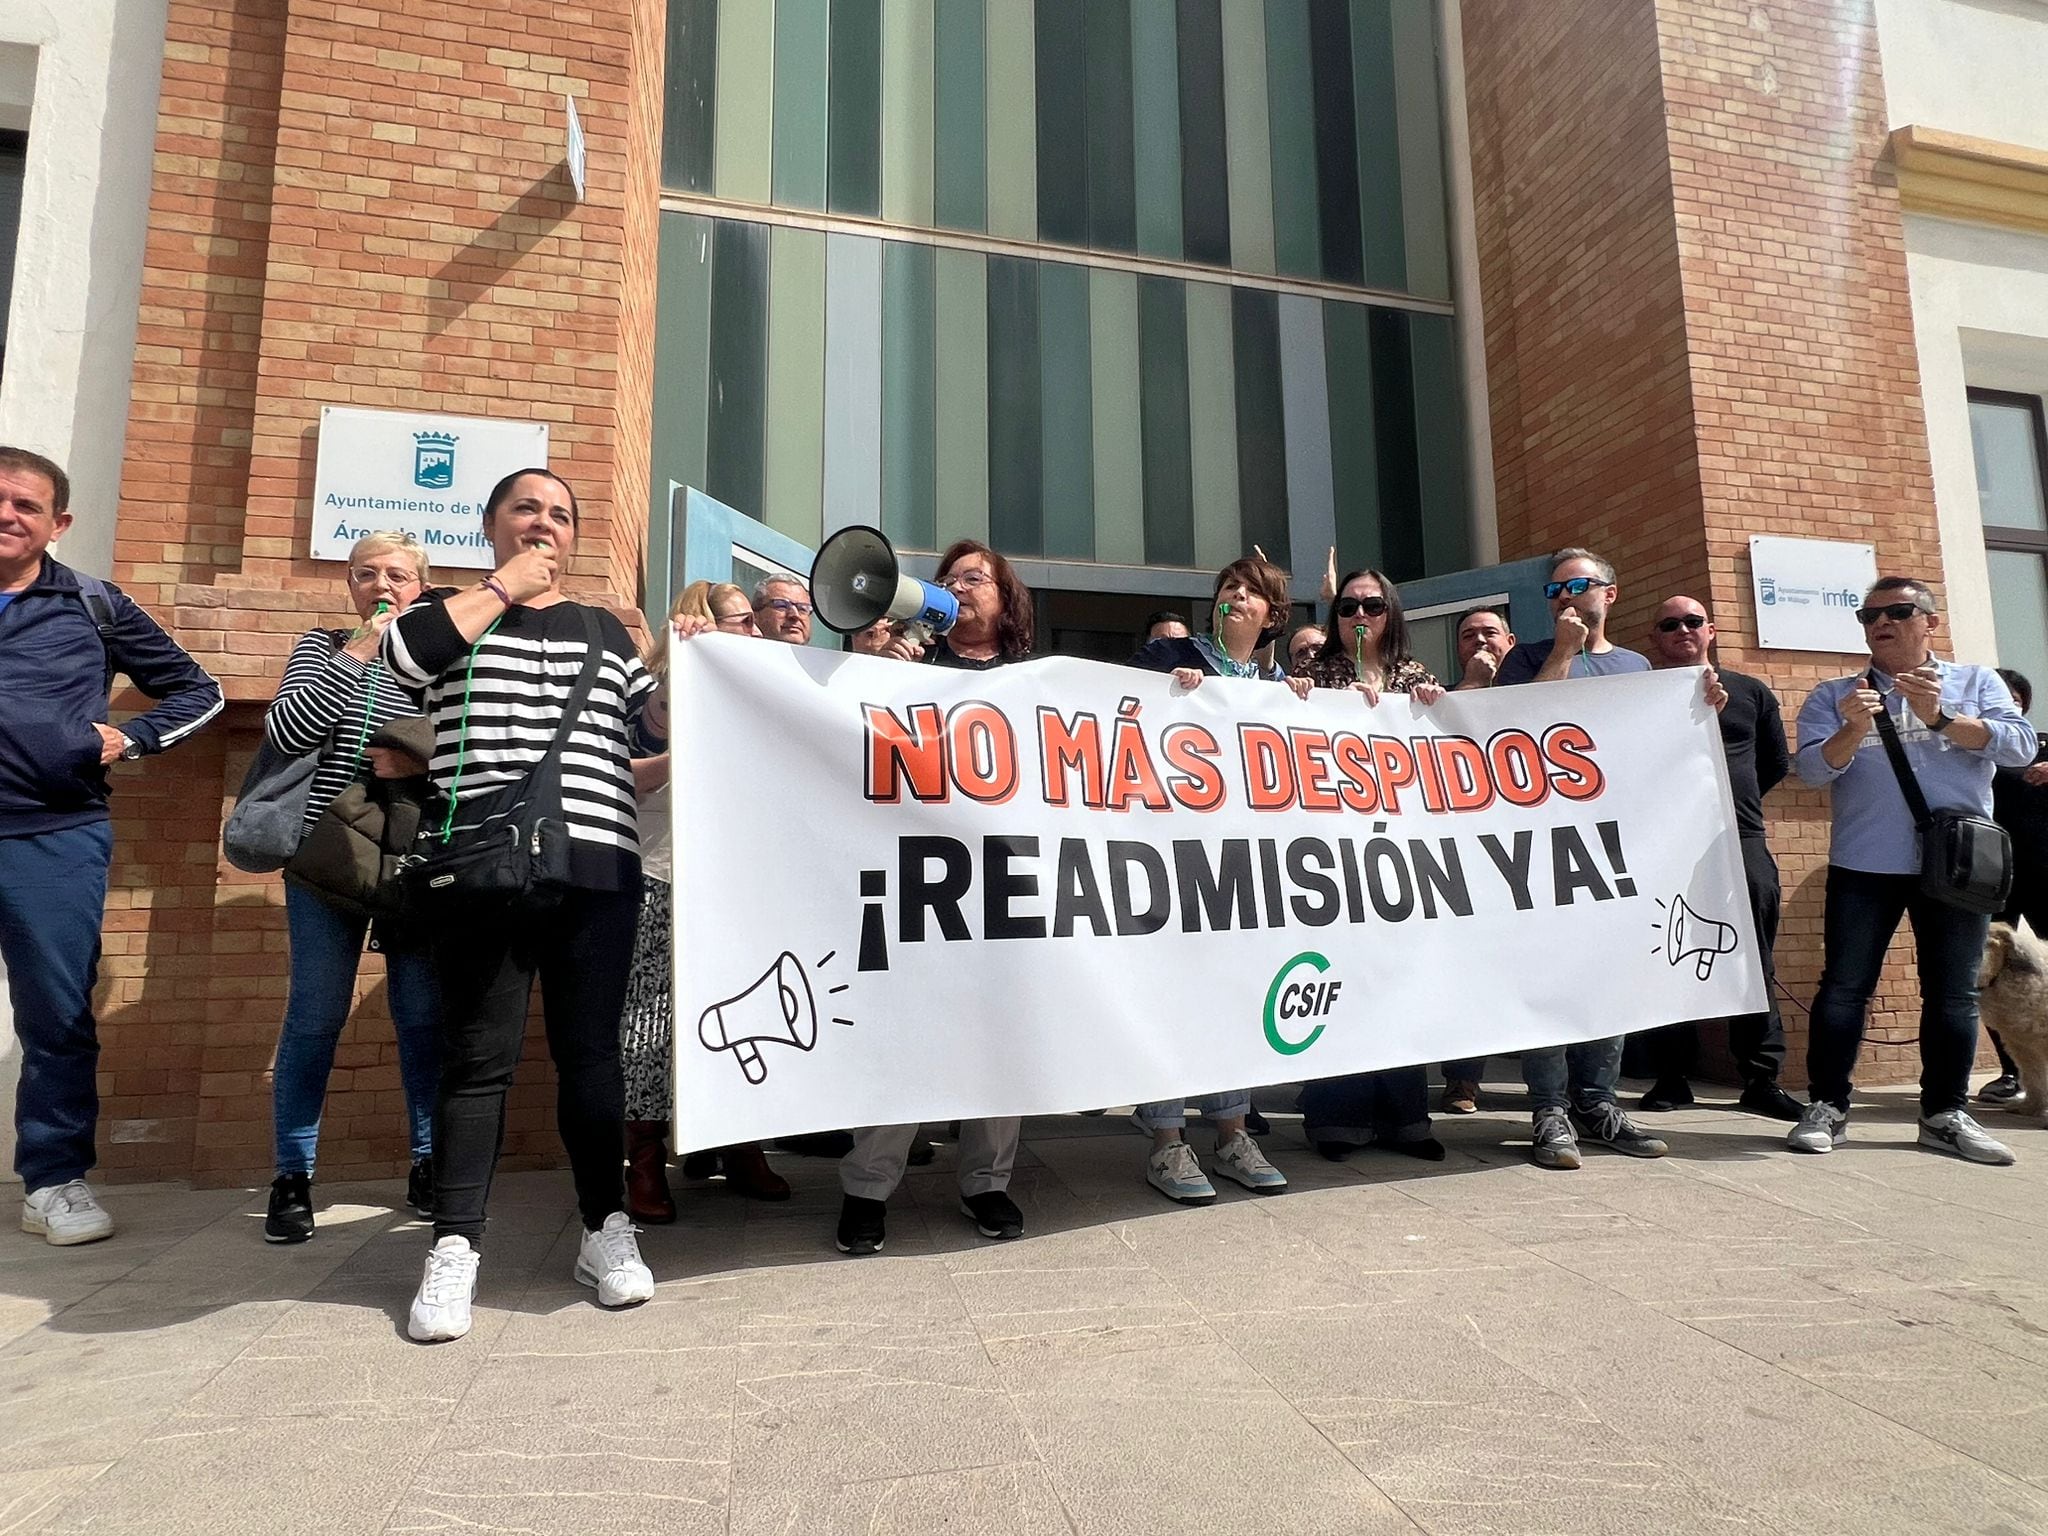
497,663
335,695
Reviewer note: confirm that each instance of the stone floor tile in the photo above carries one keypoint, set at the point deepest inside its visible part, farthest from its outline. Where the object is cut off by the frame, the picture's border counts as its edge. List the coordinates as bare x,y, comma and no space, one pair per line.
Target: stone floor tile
1014,1499
207,1476
1243,1462
625,1475
30,1501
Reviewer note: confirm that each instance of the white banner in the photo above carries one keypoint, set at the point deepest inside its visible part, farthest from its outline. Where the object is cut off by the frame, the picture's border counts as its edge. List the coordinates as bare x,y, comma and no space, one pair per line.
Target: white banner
904,893
422,474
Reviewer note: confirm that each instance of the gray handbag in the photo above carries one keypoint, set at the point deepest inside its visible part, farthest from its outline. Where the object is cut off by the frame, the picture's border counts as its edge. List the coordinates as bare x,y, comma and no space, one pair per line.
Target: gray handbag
264,829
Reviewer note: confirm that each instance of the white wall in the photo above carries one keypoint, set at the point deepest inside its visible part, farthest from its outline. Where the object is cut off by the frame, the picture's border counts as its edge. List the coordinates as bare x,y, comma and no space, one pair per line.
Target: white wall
95,66
1980,317
1969,66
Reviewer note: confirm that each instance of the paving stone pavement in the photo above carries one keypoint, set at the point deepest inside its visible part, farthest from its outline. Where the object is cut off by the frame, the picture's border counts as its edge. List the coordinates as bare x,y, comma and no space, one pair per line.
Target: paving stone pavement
1733,1339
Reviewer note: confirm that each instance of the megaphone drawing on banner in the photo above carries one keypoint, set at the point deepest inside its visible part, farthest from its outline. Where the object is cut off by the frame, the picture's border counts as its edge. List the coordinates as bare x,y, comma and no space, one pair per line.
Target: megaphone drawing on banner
776,1007
856,580
1689,936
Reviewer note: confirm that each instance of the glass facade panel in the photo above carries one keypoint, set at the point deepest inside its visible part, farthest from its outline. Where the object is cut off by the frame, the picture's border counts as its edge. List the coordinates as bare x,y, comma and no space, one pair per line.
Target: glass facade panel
1066,413
802,60
853,152
960,53
2019,614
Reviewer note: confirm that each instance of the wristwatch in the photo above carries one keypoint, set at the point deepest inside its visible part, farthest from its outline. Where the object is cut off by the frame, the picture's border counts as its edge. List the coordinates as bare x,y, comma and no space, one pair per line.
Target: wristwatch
131,749
1941,722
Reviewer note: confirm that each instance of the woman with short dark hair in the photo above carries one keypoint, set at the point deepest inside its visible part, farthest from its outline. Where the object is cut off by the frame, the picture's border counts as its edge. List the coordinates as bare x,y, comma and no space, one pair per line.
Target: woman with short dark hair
1249,611
498,663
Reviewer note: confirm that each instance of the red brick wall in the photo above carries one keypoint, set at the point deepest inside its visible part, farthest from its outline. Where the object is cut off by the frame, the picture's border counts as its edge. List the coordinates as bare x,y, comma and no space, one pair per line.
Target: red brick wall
356,202
1697,329
1806,387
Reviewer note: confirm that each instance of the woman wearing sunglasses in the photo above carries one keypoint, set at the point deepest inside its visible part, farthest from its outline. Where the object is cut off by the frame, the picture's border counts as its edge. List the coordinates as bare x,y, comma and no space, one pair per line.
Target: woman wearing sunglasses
1249,611
1366,648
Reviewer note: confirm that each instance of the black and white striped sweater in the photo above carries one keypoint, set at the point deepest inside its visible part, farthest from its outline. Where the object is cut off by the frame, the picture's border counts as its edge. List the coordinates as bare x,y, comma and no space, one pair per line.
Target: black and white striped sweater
517,688
328,693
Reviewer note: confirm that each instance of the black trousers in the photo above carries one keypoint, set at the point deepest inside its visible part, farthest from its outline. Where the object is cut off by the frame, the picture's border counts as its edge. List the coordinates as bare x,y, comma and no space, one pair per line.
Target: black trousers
486,961
1863,912
1755,1040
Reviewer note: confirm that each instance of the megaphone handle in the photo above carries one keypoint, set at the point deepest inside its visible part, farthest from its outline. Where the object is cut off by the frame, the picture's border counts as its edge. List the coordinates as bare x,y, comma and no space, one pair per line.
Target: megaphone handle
749,1057
1706,963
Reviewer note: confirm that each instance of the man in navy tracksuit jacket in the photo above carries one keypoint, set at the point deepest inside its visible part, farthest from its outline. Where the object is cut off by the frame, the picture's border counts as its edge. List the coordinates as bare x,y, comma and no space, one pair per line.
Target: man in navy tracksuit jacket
62,637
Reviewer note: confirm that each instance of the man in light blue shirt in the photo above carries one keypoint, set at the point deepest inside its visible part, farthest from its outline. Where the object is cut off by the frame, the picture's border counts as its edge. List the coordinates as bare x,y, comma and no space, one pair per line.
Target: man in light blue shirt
1957,724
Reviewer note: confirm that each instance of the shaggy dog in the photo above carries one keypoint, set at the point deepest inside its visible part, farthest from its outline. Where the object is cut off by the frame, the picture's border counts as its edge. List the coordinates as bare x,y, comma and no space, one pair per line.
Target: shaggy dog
2013,977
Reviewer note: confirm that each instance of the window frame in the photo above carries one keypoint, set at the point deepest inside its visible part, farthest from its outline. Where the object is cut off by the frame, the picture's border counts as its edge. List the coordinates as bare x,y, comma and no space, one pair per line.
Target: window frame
1998,536
13,142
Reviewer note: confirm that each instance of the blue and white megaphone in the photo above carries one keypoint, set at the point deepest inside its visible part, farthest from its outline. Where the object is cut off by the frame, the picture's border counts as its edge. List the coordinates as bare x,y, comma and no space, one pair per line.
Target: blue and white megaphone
856,580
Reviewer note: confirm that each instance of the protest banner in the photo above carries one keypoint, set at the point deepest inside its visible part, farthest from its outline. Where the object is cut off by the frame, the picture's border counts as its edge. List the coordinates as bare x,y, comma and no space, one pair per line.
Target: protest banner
906,893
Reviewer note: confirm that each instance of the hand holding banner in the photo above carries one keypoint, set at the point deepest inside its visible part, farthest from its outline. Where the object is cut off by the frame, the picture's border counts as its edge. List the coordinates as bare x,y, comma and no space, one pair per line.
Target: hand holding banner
904,893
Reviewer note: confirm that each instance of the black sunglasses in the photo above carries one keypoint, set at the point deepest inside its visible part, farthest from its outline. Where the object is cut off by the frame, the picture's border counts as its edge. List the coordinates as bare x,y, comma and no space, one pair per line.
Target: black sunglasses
1578,586
1683,621
1371,607
1898,613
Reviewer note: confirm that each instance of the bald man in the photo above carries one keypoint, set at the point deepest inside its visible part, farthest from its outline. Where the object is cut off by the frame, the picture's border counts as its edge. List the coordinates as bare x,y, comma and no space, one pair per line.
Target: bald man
1753,737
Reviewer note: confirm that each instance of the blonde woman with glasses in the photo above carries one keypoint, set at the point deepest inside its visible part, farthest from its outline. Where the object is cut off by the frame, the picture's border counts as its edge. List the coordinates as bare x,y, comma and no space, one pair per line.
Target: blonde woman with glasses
335,695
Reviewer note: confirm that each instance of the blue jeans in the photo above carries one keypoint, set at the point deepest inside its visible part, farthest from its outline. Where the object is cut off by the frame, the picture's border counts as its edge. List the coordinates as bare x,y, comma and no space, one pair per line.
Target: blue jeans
1573,1076
1172,1114
1862,914
53,897
327,946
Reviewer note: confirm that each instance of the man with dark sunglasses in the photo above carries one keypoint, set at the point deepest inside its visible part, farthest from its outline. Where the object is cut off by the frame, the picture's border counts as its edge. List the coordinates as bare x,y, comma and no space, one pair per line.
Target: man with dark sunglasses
1753,739
1581,593
1957,724
1571,1087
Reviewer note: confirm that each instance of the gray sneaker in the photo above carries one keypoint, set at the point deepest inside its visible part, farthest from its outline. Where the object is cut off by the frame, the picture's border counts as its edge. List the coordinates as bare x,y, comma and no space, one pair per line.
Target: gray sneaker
1822,1128
1954,1131
1606,1124
1553,1145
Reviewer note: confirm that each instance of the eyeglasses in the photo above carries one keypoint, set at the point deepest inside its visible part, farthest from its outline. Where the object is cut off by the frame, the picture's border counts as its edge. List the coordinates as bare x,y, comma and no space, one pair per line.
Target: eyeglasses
1371,607
363,576
1683,621
1898,613
966,579
738,622
788,605
1578,586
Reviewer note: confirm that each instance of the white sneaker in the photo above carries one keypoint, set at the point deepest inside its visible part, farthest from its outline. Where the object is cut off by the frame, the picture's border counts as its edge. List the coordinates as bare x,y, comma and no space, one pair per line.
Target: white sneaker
1821,1128
609,1259
1173,1171
66,1214
441,1309
1238,1157
1954,1131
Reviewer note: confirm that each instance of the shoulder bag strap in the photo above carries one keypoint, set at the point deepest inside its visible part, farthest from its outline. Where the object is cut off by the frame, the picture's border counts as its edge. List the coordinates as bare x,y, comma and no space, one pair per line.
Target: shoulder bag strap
551,760
1909,786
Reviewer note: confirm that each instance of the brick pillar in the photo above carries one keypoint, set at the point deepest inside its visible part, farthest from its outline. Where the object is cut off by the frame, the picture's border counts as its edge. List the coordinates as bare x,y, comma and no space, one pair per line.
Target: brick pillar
1697,328
355,204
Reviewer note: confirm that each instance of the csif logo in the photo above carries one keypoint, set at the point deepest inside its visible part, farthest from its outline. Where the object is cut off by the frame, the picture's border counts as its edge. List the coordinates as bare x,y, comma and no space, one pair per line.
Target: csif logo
1295,997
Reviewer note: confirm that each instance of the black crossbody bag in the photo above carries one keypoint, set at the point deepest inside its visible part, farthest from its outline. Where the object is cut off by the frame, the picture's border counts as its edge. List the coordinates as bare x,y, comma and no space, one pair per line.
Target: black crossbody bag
517,853
1965,859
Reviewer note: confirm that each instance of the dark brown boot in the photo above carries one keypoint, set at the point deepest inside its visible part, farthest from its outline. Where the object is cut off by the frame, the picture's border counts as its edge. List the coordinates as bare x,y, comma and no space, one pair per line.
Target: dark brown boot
747,1171
647,1197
